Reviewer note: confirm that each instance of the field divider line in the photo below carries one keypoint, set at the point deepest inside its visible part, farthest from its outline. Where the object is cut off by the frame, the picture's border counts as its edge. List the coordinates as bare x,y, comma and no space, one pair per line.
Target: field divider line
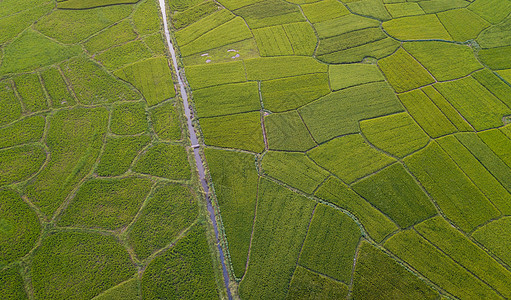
253,229
352,277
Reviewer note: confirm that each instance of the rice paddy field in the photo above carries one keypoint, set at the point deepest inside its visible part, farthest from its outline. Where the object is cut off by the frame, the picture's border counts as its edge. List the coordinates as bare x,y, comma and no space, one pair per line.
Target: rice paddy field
353,149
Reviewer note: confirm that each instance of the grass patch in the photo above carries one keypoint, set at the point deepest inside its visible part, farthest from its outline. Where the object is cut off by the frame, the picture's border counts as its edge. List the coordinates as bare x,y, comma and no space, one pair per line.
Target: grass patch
427,114
129,118
165,121
26,130
119,153
106,203
330,245
286,131
396,134
235,182
152,77
481,177
73,26
294,169
462,250
445,61
339,112
32,50
269,68
92,84
358,158
479,107
17,164
403,72
394,192
31,92
57,89
292,92
164,160
170,210
227,99
459,199
184,271
496,237
74,139
377,225
280,228
421,27
462,24
348,75
19,227
308,285
377,276
240,131
66,266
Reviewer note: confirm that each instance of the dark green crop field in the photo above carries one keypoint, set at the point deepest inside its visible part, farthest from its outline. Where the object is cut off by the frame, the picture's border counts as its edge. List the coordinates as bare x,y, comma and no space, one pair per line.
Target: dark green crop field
353,149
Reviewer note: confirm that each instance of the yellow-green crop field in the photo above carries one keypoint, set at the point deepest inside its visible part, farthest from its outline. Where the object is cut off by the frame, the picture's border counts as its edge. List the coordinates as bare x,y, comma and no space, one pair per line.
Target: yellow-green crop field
353,149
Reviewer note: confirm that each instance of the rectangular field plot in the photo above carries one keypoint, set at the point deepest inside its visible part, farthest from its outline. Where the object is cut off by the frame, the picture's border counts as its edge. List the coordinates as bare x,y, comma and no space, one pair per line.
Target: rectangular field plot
151,77
57,89
427,114
403,72
421,27
434,6
396,134
378,276
496,58
236,183
495,85
343,24
371,8
279,231
118,34
10,106
460,200
181,19
462,24
377,225
462,250
330,245
293,92
125,54
268,68
324,10
294,169
479,175
272,41
349,40
404,9
445,61
492,11
286,131
31,92
269,13
227,99
26,130
339,112
201,76
479,107
348,75
499,143
240,131
496,238
358,159
437,267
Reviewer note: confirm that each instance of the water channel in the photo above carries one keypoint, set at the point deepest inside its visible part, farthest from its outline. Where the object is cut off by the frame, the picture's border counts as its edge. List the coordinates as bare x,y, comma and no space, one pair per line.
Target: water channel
195,145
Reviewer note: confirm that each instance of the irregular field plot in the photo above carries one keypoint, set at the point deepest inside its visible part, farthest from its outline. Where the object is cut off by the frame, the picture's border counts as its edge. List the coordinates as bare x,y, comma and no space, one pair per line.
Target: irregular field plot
57,88
164,160
128,118
417,28
119,153
26,130
348,75
309,285
13,285
106,203
165,121
496,237
286,131
17,164
31,92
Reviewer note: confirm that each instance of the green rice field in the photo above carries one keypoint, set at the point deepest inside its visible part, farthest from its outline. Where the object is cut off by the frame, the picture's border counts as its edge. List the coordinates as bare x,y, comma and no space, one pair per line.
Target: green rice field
273,149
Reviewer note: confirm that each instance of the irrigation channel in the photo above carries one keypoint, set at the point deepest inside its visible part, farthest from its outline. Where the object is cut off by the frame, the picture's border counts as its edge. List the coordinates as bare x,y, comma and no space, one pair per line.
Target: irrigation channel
195,146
